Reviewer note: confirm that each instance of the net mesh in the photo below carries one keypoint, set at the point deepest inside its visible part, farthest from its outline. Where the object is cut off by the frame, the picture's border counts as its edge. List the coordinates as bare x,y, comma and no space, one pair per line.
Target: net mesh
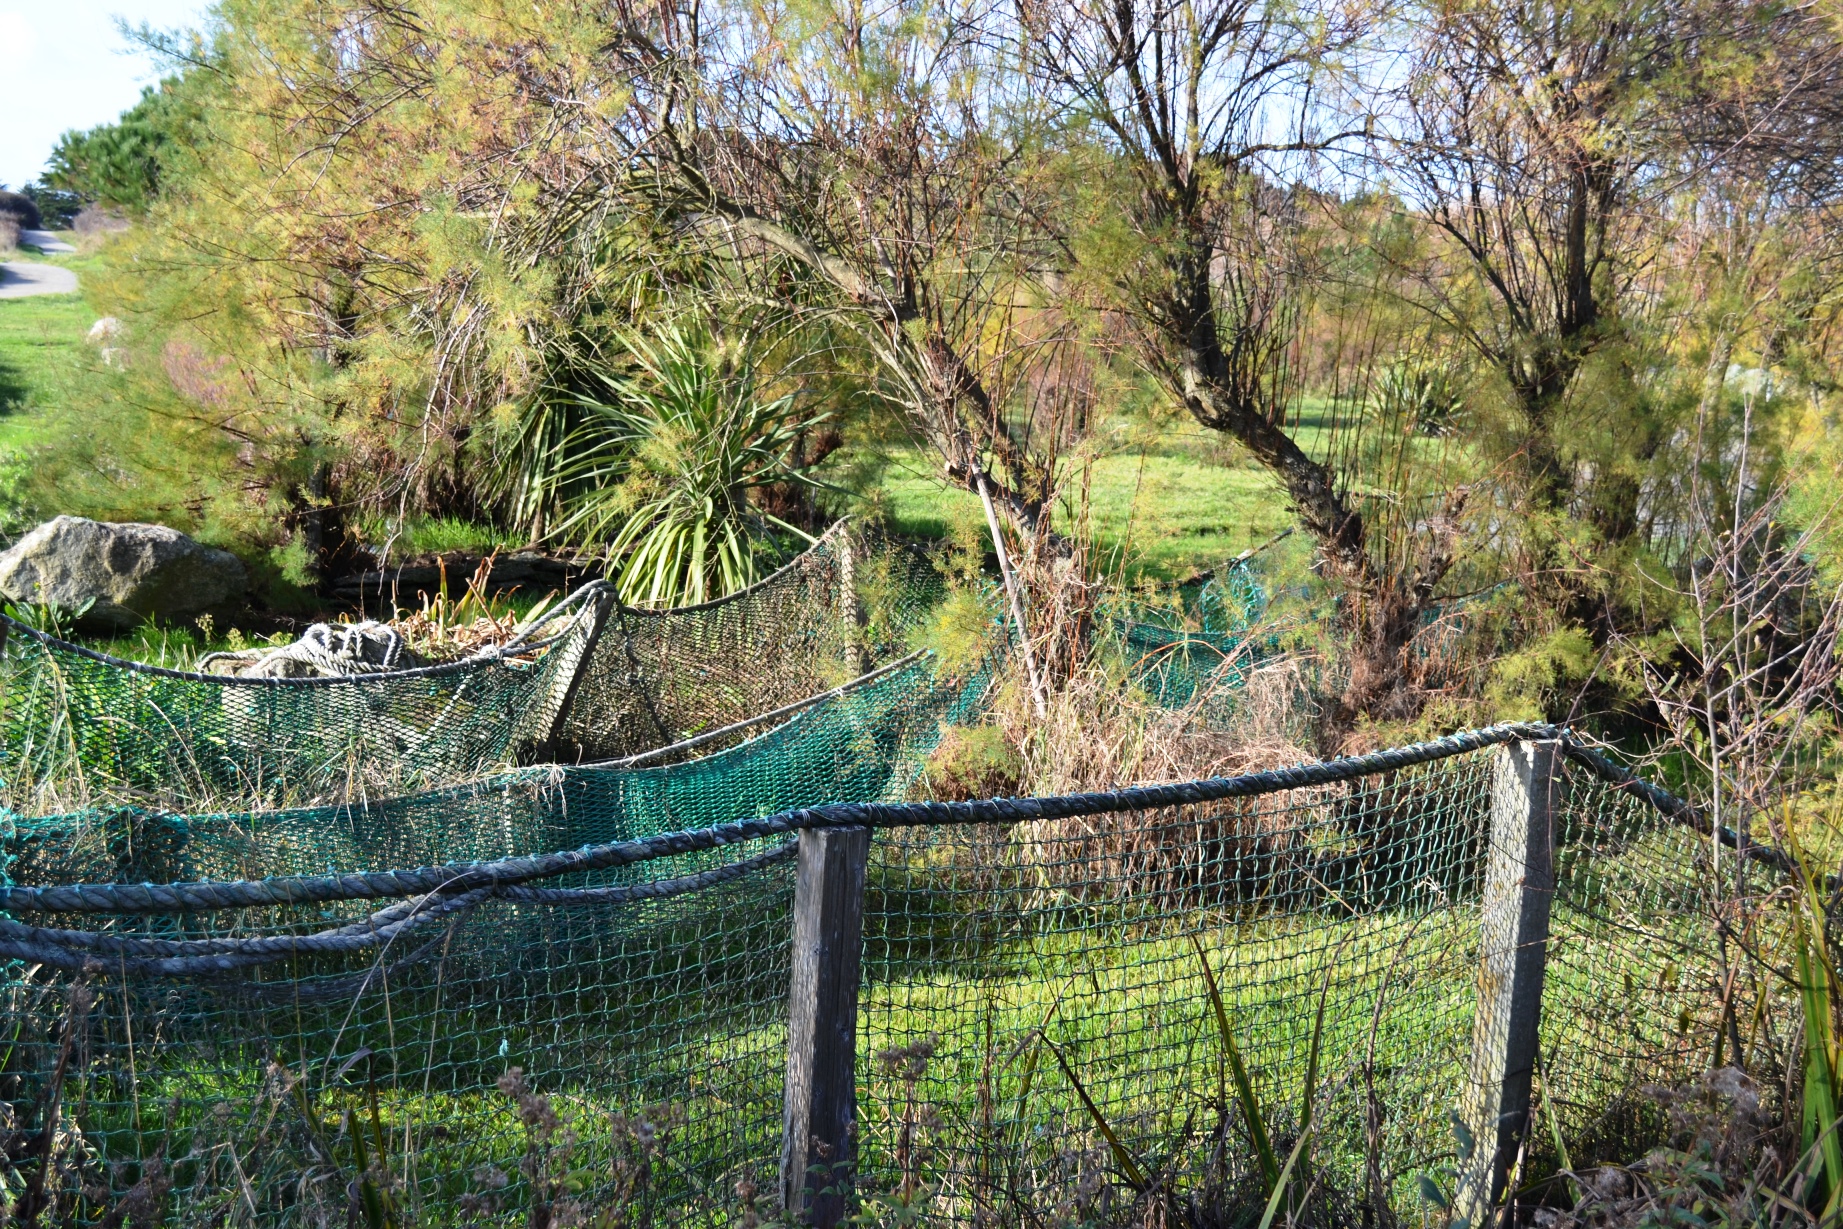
1028,990
652,1024
847,605
597,681
1196,656
77,725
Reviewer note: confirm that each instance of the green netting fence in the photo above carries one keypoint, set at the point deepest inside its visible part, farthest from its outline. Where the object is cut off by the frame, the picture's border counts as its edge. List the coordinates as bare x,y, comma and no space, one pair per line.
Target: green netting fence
245,1020
1196,656
77,723
593,680
655,677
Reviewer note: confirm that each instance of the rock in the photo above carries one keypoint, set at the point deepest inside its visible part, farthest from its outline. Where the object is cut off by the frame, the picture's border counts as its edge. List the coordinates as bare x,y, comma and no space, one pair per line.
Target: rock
132,571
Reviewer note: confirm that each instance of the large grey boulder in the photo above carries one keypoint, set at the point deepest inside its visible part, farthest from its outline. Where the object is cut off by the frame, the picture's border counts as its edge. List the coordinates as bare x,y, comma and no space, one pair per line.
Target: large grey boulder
130,572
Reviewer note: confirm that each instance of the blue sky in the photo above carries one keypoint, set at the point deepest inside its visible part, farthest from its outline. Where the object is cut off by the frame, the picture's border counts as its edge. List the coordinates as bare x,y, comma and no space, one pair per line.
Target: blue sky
63,65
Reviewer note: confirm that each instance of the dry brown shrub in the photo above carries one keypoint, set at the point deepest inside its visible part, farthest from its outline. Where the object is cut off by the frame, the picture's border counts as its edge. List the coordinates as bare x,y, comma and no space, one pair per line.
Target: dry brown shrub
1098,737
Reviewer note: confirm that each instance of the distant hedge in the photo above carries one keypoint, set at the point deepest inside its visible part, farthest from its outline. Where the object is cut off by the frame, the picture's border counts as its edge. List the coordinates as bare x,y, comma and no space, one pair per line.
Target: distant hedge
21,209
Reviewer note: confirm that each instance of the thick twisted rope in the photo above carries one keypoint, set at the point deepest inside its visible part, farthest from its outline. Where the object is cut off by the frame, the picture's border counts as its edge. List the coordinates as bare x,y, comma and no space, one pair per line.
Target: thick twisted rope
431,893
79,950
468,876
505,872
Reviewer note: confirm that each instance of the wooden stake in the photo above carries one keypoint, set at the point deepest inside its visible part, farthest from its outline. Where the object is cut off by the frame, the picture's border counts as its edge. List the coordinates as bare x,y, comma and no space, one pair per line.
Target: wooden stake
1513,951
818,1123
1017,603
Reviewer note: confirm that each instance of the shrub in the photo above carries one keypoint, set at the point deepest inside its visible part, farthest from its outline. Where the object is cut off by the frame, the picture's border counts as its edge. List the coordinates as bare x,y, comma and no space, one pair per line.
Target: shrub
20,209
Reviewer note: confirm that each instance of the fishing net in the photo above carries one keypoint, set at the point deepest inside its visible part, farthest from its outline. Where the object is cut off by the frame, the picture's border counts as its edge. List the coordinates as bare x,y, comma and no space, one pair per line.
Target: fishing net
77,725
1196,655
601,1033
593,680
657,677
1039,1031
651,1023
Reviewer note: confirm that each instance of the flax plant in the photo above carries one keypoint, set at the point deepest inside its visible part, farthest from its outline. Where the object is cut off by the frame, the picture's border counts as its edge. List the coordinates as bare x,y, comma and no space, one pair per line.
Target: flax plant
668,452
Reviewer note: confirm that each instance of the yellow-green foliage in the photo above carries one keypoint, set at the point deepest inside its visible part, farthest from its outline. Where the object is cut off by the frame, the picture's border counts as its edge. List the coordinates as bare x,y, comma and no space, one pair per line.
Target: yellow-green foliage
962,632
357,257
1524,683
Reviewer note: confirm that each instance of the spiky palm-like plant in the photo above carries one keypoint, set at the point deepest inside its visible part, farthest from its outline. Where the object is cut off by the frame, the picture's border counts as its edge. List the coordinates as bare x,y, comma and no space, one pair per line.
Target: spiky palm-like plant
663,461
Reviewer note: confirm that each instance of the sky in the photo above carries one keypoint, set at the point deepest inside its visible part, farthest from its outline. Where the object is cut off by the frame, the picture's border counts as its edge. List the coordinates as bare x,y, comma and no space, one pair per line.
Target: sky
64,65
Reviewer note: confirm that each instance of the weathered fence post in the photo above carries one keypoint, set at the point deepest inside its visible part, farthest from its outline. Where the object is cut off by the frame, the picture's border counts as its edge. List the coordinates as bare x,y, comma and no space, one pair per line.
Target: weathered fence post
857,652
817,1126
1513,943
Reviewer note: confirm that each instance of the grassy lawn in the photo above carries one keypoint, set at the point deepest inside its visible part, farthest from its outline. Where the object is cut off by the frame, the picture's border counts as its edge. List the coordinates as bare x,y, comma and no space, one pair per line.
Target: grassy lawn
43,357
1160,508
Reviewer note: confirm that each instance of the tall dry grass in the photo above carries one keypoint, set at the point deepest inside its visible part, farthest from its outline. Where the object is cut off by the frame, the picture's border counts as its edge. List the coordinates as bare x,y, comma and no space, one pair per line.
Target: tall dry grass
1100,734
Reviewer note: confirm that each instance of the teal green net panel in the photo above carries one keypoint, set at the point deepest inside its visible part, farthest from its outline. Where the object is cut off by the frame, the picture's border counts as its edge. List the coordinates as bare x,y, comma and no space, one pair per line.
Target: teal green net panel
650,1034
77,726
846,605
1198,656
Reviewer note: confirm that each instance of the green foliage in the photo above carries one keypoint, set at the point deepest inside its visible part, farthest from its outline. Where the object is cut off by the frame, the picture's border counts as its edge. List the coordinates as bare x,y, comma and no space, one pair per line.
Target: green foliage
1525,683
121,165
56,207
974,762
1423,392
666,458
430,535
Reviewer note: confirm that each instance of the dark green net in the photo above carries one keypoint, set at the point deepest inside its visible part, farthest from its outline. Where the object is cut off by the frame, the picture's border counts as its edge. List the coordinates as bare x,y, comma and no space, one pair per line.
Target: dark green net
1029,990
1197,655
76,725
598,680
657,677
264,1093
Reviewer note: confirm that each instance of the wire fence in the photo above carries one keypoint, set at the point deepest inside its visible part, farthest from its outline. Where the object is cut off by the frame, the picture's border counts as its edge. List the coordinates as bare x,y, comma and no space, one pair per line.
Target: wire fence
559,1020
77,725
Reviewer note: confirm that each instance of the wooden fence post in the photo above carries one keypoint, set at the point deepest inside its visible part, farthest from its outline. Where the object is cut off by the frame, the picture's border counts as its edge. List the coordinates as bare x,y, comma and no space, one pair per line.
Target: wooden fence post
1513,943
856,651
817,1126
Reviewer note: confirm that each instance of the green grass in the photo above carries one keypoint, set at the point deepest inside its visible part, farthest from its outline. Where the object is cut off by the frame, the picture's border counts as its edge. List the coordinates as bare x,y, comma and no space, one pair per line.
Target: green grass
45,365
43,359
1159,509
438,535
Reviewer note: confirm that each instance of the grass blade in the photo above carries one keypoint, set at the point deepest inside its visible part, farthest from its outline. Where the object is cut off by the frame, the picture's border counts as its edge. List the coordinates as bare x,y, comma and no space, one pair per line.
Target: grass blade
1279,1187
1244,1088
1123,1157
1548,1109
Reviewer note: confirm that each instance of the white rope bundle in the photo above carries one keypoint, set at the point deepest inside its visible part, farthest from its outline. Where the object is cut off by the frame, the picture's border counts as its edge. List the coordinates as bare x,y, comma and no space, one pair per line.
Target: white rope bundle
328,650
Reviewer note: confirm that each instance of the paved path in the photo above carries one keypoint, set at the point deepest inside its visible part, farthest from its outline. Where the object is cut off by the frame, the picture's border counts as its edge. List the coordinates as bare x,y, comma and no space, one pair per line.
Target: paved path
18,279
44,241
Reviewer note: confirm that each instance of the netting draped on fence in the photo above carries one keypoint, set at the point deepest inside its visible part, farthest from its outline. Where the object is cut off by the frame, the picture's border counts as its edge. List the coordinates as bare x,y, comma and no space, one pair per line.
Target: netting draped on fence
76,724
1197,656
660,676
341,1038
